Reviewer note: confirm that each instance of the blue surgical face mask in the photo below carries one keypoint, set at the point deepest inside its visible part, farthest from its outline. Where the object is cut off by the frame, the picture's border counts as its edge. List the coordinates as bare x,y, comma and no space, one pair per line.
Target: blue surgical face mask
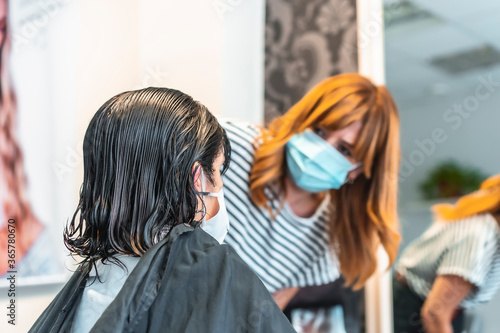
314,165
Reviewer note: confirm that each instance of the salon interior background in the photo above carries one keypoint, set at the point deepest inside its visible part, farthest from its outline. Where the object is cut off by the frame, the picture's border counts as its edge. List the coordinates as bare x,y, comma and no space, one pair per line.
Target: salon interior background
443,68
82,52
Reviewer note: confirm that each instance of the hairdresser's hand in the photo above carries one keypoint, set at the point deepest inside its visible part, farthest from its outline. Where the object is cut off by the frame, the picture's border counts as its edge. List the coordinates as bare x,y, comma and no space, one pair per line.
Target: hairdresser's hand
282,297
440,307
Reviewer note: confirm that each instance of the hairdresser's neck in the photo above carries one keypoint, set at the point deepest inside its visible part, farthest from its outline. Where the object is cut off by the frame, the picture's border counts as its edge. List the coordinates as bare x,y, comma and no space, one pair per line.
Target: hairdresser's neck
302,203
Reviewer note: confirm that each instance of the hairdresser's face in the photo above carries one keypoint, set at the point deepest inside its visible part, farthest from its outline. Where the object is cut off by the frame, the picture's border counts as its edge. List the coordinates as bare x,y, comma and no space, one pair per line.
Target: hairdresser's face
211,203
343,140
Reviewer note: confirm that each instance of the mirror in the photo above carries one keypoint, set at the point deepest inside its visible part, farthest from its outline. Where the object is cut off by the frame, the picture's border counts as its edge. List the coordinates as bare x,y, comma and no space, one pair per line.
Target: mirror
443,69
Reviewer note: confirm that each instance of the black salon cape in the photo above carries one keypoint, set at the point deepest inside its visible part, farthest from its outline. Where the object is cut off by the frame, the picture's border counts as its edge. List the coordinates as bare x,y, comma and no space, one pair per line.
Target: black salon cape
185,283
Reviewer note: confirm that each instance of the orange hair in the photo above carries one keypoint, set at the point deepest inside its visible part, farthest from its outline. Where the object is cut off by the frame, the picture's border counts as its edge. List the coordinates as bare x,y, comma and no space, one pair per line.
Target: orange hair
366,211
485,200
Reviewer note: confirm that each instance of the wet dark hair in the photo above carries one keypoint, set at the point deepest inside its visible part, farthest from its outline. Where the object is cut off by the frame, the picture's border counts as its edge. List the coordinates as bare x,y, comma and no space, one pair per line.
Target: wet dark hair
139,150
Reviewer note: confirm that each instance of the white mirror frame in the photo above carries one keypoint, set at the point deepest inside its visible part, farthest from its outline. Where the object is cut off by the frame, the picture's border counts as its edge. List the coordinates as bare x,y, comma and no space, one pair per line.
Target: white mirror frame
378,289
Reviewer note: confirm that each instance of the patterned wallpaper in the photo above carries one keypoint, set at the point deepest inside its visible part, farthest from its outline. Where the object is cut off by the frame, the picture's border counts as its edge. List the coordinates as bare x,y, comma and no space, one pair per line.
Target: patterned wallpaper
306,41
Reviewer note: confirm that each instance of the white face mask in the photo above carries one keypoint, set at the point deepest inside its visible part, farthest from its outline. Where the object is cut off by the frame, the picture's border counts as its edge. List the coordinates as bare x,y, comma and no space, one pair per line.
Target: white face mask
218,225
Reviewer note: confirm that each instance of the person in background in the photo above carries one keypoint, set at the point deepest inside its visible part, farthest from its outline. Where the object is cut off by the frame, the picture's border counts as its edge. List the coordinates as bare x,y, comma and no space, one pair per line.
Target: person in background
454,265
314,194
149,224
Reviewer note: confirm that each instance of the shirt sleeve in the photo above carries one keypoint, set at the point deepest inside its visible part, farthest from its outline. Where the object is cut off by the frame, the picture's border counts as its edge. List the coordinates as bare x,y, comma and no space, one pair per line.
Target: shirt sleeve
471,251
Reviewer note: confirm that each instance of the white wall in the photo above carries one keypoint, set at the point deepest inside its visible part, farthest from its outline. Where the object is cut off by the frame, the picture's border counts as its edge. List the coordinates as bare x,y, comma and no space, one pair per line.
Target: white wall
180,46
212,50
243,59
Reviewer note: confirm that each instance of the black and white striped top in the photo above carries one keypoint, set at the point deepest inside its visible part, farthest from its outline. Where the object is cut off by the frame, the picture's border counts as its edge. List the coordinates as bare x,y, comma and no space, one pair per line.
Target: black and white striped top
469,248
288,252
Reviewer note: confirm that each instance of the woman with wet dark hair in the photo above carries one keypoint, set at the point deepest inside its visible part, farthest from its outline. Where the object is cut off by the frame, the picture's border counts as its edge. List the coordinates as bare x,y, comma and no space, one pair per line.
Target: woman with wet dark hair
137,181
149,225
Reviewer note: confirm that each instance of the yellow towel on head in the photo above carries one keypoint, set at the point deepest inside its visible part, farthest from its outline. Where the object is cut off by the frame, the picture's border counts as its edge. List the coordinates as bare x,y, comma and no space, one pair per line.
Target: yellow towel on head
484,200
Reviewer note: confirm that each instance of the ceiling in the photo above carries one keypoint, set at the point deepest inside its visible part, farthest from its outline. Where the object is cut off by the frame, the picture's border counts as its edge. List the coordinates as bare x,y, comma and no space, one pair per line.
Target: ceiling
418,32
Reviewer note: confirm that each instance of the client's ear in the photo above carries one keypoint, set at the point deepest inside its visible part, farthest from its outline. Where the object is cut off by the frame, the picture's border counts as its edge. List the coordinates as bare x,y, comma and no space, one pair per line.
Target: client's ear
196,172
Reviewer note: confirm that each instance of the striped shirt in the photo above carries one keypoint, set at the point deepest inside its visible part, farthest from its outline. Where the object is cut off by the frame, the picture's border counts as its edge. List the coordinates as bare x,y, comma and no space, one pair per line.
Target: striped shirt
289,251
468,248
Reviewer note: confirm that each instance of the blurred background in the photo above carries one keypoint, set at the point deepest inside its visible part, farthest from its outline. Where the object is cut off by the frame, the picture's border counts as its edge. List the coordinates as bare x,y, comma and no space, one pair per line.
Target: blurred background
249,60
443,69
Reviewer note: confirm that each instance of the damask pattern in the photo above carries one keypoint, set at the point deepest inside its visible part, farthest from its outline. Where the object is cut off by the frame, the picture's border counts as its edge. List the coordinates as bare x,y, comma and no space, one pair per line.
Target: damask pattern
306,41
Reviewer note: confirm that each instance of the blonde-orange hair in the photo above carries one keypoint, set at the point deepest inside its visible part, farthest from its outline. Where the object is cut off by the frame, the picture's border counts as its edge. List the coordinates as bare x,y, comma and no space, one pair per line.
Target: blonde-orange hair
485,200
365,213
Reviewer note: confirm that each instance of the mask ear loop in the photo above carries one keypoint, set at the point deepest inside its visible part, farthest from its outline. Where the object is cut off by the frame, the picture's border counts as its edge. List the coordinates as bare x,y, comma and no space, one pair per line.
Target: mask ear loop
204,208
354,167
